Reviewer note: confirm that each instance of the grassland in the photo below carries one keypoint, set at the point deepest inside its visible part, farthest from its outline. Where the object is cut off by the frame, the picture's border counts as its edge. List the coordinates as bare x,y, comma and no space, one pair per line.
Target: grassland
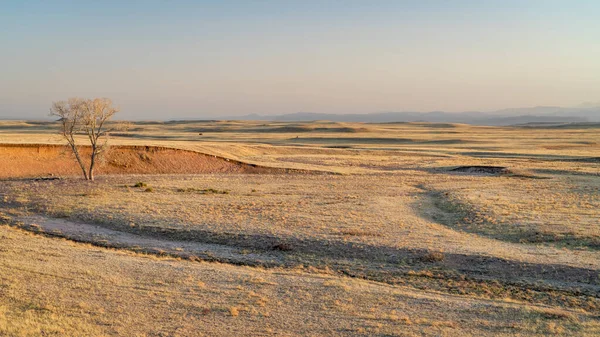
339,229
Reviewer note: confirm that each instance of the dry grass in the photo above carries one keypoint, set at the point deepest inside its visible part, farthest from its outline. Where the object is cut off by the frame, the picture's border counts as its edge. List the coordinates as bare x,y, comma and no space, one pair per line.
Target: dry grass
562,212
454,253
147,296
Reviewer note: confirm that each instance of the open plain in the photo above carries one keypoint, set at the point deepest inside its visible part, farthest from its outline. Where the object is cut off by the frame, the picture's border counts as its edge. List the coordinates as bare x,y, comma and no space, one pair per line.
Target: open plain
318,228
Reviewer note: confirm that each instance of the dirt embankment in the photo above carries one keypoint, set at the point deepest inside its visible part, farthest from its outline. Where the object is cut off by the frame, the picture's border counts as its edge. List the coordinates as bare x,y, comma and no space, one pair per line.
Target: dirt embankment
33,160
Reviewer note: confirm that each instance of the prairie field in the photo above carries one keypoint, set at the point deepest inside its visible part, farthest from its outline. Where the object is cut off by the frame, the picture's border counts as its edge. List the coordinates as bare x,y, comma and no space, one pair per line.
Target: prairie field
319,228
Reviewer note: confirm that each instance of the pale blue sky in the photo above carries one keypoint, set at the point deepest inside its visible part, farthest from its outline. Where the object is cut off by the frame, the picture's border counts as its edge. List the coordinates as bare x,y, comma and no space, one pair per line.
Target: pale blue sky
167,59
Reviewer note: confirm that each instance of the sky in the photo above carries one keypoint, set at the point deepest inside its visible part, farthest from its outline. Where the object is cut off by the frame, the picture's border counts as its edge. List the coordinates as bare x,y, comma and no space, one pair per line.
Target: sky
211,59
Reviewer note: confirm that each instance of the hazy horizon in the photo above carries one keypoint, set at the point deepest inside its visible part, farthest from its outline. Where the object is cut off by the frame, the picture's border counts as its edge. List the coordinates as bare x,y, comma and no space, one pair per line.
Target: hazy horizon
162,60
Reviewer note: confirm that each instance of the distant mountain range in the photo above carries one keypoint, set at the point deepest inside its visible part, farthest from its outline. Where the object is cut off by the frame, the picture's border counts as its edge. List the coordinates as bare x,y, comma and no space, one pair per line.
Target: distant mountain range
584,113
540,114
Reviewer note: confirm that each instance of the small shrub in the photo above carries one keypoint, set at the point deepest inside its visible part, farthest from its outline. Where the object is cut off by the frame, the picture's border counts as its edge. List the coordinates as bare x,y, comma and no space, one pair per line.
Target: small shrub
140,184
202,191
149,189
283,247
213,191
145,157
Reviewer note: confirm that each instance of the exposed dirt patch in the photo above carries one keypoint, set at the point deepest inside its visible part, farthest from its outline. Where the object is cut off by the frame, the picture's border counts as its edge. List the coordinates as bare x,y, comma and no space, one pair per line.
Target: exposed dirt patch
33,160
482,169
588,160
496,171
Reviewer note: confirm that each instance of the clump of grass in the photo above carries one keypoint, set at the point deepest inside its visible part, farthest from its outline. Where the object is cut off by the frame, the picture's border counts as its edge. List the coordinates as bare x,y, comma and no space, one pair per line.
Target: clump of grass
202,191
555,314
432,257
337,284
4,218
91,194
149,189
359,232
258,280
140,184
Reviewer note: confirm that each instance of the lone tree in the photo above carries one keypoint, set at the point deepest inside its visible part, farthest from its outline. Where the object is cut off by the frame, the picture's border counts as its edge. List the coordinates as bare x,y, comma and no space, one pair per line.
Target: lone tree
86,117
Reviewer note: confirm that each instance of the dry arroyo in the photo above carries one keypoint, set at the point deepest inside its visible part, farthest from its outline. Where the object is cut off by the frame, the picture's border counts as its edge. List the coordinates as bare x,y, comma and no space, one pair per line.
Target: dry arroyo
39,160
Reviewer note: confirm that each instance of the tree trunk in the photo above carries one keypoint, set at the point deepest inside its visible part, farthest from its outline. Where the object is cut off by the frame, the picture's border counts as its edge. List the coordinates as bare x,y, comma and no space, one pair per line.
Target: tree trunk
92,164
74,148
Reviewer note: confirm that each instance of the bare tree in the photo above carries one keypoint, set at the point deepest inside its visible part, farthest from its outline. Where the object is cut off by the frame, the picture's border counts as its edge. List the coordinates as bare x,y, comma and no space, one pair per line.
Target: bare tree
96,113
70,113
87,117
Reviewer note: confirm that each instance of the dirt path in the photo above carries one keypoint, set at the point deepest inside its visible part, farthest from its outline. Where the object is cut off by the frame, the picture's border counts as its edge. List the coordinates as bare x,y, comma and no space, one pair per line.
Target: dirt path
518,277
55,287
98,235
